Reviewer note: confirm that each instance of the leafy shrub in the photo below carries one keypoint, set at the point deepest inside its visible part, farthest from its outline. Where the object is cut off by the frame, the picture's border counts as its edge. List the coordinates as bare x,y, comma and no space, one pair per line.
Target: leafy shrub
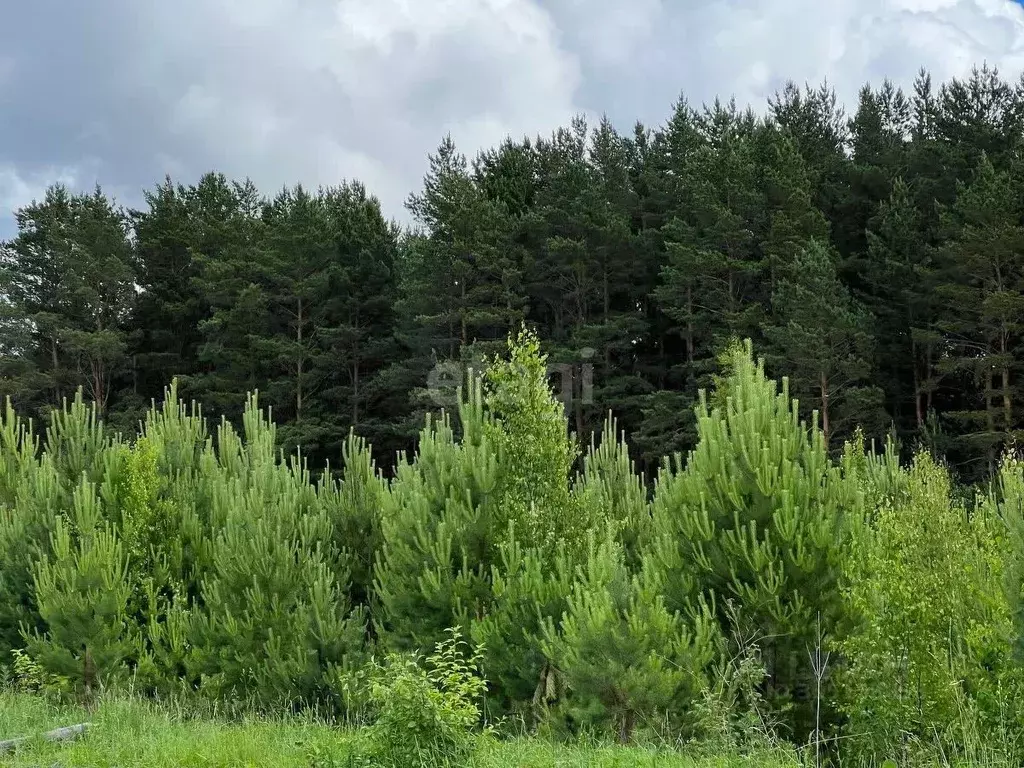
29,676
427,716
730,713
528,429
933,626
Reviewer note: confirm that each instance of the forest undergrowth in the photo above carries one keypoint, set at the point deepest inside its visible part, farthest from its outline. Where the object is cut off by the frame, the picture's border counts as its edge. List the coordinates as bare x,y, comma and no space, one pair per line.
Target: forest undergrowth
503,593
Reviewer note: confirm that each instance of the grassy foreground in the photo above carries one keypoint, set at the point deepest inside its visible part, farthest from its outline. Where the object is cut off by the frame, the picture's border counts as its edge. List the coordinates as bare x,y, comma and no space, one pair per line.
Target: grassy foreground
131,733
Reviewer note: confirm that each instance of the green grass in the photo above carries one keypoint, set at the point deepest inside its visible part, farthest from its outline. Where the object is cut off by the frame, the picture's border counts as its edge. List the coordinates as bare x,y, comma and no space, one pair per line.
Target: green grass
132,733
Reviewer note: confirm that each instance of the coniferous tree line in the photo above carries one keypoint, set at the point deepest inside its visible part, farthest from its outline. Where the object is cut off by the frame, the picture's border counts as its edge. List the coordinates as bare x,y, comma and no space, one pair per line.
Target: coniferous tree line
874,258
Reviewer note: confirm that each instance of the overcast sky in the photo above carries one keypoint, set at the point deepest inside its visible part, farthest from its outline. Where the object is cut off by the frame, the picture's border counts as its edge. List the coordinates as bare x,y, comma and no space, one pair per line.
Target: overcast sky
122,92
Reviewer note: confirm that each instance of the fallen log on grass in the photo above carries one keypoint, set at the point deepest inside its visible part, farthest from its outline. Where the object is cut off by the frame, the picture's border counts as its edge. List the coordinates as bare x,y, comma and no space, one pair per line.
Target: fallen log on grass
56,735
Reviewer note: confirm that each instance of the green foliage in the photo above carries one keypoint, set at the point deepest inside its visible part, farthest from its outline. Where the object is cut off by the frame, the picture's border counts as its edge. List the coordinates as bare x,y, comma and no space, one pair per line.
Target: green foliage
82,592
432,569
984,301
761,517
128,731
528,430
931,634
609,490
133,493
875,261
730,714
30,493
464,507
215,566
628,662
353,506
1008,498
274,621
821,338
29,676
426,716
529,588
76,449
67,280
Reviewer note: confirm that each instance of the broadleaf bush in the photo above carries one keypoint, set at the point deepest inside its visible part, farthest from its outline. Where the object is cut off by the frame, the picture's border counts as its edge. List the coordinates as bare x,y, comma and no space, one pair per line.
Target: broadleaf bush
427,711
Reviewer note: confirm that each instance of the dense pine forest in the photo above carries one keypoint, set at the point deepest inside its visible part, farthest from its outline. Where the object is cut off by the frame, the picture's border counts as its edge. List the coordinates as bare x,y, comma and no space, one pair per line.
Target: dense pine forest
873,259
702,435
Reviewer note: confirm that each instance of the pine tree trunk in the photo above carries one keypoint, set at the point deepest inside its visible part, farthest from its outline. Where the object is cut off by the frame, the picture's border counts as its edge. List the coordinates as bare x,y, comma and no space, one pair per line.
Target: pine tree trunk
1007,400
607,311
355,392
626,727
824,408
577,400
299,366
689,325
99,375
462,314
928,371
99,394
990,419
918,411
57,391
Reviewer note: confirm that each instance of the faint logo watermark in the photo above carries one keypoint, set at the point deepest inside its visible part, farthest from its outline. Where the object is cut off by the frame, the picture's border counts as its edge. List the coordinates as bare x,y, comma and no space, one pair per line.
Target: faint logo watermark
572,382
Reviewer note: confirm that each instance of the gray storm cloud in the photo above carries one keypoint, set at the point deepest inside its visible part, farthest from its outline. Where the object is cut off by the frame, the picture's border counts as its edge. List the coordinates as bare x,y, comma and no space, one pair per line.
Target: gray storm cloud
317,91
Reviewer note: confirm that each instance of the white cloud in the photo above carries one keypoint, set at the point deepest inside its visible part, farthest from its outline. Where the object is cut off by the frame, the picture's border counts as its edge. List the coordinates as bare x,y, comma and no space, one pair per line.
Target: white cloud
749,46
606,32
320,90
372,85
17,191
